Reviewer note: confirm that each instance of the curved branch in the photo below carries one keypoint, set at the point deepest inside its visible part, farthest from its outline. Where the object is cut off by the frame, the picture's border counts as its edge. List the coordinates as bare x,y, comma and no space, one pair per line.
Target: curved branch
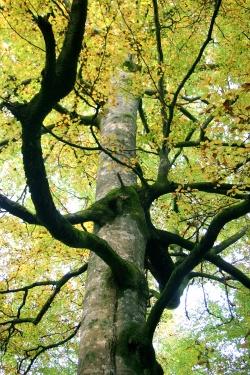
199,251
208,276
226,215
229,241
66,65
168,238
58,226
50,44
59,76
229,268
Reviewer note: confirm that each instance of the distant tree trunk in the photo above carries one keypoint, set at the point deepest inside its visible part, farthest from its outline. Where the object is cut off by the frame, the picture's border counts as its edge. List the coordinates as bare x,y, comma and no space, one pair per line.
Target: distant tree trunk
111,315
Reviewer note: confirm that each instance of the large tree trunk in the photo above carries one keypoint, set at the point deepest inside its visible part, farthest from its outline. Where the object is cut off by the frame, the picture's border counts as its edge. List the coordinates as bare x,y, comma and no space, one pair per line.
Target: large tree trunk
110,314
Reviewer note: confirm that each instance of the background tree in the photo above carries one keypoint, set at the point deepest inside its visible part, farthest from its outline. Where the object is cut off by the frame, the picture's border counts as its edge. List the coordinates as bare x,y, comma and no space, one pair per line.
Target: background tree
171,185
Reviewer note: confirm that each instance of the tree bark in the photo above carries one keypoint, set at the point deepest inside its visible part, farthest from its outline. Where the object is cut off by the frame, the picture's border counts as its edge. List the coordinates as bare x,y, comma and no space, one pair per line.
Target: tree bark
111,315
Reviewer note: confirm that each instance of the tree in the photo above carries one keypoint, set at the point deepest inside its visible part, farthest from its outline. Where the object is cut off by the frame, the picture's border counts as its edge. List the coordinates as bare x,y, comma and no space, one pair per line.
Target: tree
171,186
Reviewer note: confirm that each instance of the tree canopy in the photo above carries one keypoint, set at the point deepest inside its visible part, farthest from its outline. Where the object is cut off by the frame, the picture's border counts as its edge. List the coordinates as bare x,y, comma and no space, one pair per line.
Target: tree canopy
186,63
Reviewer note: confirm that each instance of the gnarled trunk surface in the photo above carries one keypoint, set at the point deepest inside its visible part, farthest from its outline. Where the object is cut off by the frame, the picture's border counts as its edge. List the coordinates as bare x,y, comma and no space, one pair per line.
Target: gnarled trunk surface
110,315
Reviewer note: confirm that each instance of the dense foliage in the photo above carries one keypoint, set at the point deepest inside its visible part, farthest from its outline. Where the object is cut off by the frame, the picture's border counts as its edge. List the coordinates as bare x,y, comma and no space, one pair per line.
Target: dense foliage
188,61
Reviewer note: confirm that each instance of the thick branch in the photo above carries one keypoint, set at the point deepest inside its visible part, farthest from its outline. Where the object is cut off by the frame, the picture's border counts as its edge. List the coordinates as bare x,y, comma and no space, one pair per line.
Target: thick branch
17,210
50,64
91,120
59,227
161,188
193,259
199,144
229,268
100,212
66,66
31,117
228,242
58,80
168,238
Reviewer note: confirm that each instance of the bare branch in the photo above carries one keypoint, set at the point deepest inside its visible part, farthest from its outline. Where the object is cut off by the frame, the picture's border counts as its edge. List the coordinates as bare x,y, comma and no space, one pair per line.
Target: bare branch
209,276
168,238
102,211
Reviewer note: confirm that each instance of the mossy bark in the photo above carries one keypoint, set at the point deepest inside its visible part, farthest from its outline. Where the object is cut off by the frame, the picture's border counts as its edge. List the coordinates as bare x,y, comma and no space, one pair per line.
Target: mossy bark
110,311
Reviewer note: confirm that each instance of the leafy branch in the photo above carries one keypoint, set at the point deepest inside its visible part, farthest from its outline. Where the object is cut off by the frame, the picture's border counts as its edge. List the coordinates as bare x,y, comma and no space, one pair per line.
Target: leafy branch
40,349
58,284
68,143
194,65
